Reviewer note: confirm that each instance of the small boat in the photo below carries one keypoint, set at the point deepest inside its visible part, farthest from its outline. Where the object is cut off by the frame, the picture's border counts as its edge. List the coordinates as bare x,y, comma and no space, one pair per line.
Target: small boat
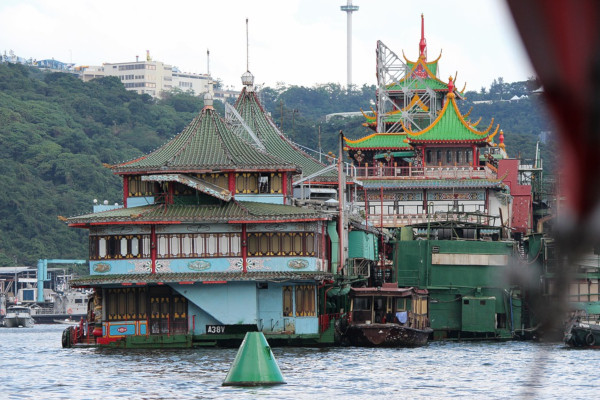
583,331
386,316
66,321
18,316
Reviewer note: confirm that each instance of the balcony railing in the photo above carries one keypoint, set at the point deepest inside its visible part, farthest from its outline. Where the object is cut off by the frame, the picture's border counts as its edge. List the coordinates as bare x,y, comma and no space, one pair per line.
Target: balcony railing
398,220
447,172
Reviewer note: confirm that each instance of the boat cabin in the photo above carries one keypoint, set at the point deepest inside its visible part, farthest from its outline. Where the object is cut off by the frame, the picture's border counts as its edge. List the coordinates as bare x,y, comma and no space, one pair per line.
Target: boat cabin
389,304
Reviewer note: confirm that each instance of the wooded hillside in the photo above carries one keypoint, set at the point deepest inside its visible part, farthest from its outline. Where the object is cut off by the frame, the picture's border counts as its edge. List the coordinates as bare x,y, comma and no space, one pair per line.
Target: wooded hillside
56,132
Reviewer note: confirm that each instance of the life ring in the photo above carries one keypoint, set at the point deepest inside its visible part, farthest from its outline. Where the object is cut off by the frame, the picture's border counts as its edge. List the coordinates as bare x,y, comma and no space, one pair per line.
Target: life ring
69,311
590,340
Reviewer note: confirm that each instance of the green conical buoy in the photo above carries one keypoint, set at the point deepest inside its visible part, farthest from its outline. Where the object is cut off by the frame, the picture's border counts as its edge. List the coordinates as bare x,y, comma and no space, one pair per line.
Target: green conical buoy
254,364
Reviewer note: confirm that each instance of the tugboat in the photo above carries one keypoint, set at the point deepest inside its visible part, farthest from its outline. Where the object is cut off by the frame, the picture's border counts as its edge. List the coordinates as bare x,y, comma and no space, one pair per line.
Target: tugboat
583,331
386,316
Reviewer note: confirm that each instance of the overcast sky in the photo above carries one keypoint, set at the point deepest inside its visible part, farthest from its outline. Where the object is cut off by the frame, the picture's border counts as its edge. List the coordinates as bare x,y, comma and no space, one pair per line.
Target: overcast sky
300,42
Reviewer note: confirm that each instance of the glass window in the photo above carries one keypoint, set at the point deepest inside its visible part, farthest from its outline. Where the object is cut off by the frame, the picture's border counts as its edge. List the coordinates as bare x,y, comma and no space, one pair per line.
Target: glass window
235,245
297,244
276,244
174,246
211,245
198,241
287,301
223,244
305,300
102,247
252,244
264,239
162,248
146,246
310,244
123,246
361,304
135,246
286,244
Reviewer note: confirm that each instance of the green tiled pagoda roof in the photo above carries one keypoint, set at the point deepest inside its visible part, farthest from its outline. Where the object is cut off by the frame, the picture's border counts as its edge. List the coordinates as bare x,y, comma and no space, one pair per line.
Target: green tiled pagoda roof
423,84
432,66
250,109
188,277
430,183
449,127
221,213
379,141
205,144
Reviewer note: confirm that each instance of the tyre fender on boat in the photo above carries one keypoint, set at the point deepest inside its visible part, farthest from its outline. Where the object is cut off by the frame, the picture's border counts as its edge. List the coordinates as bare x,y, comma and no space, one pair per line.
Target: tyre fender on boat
66,338
590,340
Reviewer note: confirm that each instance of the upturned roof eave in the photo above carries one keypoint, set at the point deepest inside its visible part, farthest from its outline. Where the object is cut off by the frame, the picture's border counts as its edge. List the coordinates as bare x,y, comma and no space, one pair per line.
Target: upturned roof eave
213,169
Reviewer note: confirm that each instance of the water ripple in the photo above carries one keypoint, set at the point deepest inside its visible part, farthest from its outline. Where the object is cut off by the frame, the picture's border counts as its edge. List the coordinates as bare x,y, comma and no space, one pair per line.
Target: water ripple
33,359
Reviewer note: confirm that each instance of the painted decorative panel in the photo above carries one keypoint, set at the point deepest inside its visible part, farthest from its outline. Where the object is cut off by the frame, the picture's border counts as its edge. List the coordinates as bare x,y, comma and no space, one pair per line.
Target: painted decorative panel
478,196
390,196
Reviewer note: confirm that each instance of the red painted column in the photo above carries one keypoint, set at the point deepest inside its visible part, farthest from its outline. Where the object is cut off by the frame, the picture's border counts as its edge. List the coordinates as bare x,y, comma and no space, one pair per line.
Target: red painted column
244,249
284,186
231,182
153,247
323,244
125,190
171,192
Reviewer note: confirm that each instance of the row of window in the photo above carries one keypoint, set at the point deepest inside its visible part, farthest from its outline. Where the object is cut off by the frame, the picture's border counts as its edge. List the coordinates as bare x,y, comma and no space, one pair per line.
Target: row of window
205,245
126,304
245,183
140,84
449,156
155,304
136,66
305,301
283,244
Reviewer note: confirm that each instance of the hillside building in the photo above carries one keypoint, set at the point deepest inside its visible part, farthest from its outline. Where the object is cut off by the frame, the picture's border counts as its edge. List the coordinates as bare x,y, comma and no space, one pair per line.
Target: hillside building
149,77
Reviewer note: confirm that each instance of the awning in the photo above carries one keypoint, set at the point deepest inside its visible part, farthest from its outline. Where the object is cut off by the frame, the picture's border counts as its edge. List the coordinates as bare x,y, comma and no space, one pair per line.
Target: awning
397,154
323,190
191,278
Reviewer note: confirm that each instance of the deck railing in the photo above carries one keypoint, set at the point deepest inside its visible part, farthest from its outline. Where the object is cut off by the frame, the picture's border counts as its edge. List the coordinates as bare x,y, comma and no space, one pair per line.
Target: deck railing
325,321
398,220
442,172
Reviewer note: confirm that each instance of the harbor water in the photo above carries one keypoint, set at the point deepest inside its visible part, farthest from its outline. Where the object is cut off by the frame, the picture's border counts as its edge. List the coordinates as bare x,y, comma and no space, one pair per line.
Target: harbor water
33,365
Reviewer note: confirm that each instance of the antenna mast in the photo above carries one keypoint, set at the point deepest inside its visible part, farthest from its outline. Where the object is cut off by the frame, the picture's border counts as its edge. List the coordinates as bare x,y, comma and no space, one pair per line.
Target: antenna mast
349,9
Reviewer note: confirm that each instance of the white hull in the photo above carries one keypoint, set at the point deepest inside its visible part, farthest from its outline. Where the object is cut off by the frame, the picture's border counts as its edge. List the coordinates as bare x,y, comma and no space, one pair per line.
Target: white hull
18,316
15,322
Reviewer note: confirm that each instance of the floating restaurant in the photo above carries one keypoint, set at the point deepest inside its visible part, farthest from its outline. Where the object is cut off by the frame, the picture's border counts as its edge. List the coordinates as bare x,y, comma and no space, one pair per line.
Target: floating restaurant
225,229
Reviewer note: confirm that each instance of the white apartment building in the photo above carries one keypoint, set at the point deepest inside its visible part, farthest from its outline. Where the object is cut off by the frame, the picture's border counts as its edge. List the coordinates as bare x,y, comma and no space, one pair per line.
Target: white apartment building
149,77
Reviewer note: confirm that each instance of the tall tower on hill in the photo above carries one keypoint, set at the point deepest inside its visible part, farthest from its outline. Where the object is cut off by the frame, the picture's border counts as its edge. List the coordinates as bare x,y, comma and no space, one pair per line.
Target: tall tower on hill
349,9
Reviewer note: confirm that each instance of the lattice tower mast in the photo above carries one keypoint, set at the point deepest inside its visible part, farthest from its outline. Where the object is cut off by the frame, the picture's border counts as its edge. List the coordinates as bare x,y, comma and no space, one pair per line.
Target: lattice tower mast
392,70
